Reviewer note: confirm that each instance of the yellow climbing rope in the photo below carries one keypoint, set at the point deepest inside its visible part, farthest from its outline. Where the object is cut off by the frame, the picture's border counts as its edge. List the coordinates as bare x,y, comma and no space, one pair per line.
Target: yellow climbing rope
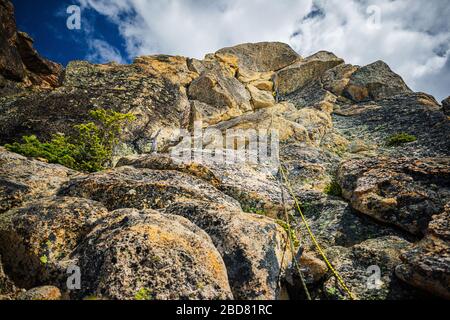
311,234
313,238
291,244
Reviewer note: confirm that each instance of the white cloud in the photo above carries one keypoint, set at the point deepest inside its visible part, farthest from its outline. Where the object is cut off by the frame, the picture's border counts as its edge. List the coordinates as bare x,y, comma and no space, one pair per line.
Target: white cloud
196,27
407,37
413,36
100,52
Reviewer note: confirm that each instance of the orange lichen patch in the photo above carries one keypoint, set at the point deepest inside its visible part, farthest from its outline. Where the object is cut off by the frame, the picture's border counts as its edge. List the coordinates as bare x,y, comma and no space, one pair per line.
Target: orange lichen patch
193,245
201,172
215,263
315,266
264,85
247,76
228,63
228,59
388,202
174,68
41,293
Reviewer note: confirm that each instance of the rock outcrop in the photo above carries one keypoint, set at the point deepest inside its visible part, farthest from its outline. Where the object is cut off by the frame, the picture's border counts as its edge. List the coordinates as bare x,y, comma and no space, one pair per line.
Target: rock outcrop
427,264
164,256
20,65
22,179
298,75
38,238
262,57
249,244
367,269
215,226
374,82
404,192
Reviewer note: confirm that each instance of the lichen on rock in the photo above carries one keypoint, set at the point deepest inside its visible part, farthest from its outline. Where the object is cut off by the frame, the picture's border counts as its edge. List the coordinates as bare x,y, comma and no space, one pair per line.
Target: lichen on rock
366,158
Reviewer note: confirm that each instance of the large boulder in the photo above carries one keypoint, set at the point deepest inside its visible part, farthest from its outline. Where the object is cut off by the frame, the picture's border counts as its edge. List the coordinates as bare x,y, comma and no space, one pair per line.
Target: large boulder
403,192
263,56
298,75
166,162
128,187
249,243
208,115
253,187
261,98
326,91
281,118
427,265
37,239
374,82
253,247
336,79
23,179
222,91
145,255
173,68
307,125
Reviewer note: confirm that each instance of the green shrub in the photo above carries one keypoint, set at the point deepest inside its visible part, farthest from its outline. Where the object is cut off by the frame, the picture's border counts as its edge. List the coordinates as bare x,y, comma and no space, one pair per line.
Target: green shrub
399,139
89,150
333,189
143,294
43,259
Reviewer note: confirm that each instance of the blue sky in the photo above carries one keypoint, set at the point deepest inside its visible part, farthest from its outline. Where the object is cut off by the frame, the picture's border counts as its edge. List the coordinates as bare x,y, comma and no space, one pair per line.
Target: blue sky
45,22
412,36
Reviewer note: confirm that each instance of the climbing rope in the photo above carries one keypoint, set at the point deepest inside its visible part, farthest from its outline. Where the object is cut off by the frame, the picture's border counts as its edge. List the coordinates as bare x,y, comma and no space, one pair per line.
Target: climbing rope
291,244
313,238
311,234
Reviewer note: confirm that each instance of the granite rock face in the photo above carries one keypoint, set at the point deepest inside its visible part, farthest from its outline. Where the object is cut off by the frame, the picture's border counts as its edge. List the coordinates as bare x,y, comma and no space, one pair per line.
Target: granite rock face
404,192
262,57
427,264
367,269
22,179
38,238
214,226
299,74
374,82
